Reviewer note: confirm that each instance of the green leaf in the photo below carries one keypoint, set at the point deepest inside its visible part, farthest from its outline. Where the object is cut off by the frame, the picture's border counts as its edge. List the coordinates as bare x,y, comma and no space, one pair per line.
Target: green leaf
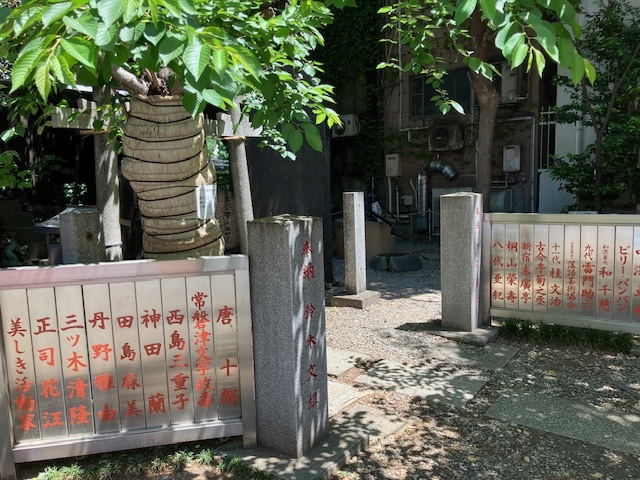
540,61
220,59
512,44
170,47
385,10
110,11
55,12
188,7
86,24
293,136
474,64
488,7
566,51
248,60
56,68
548,40
519,55
464,9
505,33
193,103
172,6
591,72
196,59
132,33
23,67
66,71
153,33
130,8
43,81
312,135
27,18
212,97
82,50
577,69
106,37
457,107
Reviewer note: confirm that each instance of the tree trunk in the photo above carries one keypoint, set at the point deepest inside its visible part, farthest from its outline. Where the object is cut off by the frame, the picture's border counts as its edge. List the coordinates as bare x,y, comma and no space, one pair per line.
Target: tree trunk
241,185
165,159
107,187
488,100
597,197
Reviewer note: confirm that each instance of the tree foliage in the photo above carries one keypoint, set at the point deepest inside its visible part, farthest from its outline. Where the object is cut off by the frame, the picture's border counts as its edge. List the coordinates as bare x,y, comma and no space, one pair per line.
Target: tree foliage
438,33
609,166
526,32
210,51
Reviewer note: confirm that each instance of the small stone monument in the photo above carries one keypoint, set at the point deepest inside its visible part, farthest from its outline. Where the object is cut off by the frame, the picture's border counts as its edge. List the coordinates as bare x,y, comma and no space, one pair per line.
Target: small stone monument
355,256
81,235
289,339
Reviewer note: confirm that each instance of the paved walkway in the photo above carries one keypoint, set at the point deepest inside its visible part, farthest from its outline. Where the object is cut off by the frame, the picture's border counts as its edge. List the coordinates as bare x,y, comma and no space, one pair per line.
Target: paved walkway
354,425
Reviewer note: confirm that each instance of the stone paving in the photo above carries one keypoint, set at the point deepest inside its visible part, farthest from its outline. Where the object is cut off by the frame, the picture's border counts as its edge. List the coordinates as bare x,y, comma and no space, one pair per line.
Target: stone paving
354,425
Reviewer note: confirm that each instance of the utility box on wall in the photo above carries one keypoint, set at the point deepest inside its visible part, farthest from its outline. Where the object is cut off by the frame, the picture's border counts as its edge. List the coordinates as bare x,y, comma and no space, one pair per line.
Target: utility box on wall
392,165
511,158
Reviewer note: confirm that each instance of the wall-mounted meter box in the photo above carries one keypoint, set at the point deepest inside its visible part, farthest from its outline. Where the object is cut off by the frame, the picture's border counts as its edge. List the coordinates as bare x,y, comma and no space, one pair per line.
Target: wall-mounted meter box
511,158
392,164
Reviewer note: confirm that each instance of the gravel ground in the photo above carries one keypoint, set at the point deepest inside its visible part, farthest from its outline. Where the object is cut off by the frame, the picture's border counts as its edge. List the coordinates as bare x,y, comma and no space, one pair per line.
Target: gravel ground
446,443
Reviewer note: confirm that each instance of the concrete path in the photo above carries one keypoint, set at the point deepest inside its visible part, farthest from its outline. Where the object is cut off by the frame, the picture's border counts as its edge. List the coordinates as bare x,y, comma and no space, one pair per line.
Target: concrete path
354,425
606,428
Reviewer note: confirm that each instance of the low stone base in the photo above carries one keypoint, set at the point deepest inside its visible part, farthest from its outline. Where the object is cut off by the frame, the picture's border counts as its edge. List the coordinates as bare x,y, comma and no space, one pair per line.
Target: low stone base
478,336
362,300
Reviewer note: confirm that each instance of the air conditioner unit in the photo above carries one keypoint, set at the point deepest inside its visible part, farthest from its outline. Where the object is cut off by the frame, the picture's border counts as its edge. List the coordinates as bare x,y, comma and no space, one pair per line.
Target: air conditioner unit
350,126
513,84
445,137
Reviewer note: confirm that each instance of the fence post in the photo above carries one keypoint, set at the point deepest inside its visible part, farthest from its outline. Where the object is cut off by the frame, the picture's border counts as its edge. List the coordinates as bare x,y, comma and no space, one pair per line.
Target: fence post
287,308
460,254
355,262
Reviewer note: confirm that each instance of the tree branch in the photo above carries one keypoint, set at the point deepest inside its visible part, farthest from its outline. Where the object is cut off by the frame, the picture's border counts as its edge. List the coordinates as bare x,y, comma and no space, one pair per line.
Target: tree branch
618,83
129,81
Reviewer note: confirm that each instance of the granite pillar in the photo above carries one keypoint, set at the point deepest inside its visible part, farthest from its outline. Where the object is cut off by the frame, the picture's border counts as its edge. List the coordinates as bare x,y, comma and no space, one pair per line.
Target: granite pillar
289,339
355,255
81,236
460,253
355,248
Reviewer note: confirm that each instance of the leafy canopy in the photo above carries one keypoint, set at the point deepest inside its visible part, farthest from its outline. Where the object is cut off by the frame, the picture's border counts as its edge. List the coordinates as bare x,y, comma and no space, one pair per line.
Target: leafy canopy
218,50
525,31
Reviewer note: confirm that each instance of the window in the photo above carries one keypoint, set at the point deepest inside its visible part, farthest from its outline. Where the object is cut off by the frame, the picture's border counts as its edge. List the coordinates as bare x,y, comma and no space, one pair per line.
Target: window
456,83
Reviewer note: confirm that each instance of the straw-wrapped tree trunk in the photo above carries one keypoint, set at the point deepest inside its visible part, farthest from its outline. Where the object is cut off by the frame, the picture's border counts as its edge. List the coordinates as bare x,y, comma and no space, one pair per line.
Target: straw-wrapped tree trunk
165,158
175,57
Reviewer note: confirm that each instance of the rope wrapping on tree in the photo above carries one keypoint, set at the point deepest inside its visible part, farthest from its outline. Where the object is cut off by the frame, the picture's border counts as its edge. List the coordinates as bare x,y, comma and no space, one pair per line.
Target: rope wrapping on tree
150,190
164,160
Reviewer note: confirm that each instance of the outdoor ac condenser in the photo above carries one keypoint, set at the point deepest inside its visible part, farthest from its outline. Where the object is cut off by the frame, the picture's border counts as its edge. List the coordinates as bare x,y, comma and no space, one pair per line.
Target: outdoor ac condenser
445,137
350,126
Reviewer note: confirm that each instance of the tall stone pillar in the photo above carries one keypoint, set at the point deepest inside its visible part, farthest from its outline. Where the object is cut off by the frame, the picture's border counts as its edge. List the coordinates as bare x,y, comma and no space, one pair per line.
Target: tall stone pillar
355,255
289,338
355,247
460,254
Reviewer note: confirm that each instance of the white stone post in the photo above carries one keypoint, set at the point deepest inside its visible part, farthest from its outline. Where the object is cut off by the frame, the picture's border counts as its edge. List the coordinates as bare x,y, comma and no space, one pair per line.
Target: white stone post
355,247
460,254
